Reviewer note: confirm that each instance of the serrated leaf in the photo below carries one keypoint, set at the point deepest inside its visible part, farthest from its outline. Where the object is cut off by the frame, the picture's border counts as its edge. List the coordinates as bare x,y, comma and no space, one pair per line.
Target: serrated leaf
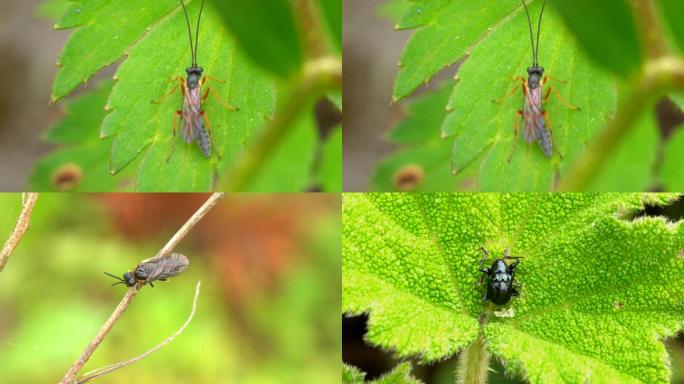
630,166
672,171
425,165
351,375
82,166
266,31
486,128
101,39
143,127
401,374
330,167
446,29
606,30
598,292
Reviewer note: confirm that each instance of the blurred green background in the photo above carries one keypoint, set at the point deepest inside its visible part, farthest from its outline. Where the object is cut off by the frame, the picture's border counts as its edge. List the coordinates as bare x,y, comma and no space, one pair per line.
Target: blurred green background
267,312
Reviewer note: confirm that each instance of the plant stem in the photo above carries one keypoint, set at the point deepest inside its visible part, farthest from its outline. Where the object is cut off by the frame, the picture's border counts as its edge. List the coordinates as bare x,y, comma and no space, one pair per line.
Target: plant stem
322,71
659,75
473,364
28,202
70,376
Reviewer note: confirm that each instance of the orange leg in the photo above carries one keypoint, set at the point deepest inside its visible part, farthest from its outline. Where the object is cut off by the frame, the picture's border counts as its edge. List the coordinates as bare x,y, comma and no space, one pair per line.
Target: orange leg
173,140
182,85
219,99
560,98
524,89
519,114
211,135
549,77
204,79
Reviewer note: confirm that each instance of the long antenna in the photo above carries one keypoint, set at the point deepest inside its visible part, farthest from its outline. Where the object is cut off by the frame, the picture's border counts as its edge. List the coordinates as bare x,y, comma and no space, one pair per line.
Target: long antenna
121,281
194,56
536,51
187,19
529,22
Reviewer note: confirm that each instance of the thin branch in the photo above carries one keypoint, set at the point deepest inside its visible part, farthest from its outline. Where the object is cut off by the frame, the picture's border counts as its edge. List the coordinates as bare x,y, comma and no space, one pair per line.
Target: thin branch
113,367
28,202
70,376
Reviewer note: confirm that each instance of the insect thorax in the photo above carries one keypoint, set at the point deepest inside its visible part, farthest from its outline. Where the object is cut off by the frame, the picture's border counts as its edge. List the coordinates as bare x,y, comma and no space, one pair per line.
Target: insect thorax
534,76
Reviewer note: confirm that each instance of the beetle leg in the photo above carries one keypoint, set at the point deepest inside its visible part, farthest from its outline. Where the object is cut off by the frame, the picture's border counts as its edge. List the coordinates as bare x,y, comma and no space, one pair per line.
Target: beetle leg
514,292
151,285
484,257
485,298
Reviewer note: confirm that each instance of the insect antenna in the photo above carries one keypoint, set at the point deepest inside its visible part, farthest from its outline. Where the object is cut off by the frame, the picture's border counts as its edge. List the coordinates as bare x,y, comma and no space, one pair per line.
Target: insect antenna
187,20
121,281
194,55
536,51
529,23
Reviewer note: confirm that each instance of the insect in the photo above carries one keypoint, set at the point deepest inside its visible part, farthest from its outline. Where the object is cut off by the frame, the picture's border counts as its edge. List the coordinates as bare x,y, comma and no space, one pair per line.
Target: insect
156,268
500,278
537,123
194,122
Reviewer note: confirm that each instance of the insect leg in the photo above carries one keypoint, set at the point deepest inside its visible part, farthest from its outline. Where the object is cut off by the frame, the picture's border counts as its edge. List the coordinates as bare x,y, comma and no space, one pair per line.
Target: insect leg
519,78
211,135
560,98
173,140
515,132
549,77
204,79
514,292
485,256
485,298
219,99
182,83
553,141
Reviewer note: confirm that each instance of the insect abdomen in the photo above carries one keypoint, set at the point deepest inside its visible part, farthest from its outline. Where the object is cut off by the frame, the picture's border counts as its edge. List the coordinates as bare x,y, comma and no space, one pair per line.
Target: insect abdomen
544,136
204,141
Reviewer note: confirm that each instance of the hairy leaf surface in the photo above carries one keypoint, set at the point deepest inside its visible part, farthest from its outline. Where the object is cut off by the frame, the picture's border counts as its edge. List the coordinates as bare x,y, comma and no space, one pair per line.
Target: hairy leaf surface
599,288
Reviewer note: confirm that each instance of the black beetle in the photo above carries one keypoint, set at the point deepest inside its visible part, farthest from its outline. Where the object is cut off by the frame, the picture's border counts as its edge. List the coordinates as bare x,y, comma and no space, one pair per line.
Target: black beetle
500,278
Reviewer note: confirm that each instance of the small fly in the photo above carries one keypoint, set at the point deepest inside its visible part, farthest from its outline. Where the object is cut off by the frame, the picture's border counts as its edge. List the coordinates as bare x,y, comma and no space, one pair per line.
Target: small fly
156,268
537,123
193,118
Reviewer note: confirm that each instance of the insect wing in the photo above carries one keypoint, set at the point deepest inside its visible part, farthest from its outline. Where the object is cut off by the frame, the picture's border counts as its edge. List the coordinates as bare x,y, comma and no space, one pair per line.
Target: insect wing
191,114
161,268
532,112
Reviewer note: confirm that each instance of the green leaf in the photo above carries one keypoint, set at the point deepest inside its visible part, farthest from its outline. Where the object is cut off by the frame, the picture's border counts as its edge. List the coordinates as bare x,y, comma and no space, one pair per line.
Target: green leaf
330,167
144,128
445,29
332,15
266,31
351,375
101,40
401,374
673,14
394,9
425,165
599,291
672,172
606,30
82,165
630,167
290,165
53,9
485,128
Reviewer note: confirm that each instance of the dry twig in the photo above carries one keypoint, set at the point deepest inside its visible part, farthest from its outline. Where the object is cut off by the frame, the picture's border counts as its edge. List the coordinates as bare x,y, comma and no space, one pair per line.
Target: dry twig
28,201
70,376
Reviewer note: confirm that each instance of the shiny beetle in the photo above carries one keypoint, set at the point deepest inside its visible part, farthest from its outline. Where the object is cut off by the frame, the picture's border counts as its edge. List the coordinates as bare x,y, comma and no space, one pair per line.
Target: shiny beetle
500,278
156,268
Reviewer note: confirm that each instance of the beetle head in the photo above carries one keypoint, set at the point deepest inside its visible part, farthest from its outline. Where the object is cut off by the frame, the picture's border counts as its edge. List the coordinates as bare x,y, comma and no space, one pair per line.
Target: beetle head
534,75
194,76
